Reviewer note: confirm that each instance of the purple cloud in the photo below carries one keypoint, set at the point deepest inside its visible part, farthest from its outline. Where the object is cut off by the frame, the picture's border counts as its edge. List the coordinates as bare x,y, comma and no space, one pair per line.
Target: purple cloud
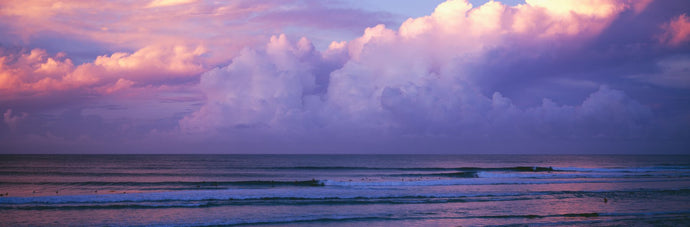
545,76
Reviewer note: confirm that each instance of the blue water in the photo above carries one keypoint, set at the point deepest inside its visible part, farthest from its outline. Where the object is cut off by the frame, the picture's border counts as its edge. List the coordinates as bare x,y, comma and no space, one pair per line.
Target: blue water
344,190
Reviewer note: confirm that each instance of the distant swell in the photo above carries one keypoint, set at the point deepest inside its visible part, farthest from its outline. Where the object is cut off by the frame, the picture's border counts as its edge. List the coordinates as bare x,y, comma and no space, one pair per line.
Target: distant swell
257,201
451,174
464,169
584,216
224,198
179,183
126,174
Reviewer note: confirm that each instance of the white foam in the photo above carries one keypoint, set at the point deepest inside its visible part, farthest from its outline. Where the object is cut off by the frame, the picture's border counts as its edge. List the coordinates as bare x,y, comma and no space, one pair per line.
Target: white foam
623,170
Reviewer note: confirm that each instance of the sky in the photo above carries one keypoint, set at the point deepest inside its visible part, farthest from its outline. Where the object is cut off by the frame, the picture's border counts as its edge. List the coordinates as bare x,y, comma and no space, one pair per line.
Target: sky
345,76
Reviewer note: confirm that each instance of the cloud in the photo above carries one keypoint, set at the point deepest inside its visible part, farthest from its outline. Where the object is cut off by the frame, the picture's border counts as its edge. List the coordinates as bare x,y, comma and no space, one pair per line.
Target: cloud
52,92
673,72
542,75
12,120
162,3
225,27
31,70
261,88
35,72
415,82
677,31
317,15
164,62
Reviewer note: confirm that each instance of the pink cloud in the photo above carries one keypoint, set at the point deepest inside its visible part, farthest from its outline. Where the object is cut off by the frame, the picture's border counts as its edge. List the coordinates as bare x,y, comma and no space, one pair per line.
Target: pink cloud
137,24
677,31
36,72
224,27
163,3
121,84
27,71
154,61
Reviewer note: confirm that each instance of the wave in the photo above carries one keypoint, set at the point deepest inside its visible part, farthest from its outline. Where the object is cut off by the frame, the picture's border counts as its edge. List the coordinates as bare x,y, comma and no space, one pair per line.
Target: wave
309,220
584,215
583,218
91,173
486,181
502,169
464,169
583,175
445,174
254,201
430,179
203,198
627,170
310,183
543,175
393,218
460,172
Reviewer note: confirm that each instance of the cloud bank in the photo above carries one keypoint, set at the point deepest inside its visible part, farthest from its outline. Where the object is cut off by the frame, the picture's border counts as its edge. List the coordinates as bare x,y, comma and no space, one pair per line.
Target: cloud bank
420,81
544,77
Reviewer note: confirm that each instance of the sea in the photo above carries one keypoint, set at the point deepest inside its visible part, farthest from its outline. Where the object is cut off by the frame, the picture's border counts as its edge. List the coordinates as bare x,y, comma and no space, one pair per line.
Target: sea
344,190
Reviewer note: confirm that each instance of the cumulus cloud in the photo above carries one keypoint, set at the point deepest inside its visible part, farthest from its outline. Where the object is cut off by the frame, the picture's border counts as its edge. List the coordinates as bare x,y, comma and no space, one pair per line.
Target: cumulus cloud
261,88
31,70
415,81
37,72
465,76
153,63
119,93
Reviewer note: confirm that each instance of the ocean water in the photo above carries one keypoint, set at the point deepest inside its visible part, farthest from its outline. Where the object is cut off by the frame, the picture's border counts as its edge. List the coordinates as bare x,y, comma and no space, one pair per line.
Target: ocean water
344,190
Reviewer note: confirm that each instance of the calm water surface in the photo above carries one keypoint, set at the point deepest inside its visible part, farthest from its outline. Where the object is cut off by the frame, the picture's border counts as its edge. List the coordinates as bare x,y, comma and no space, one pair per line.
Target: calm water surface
344,190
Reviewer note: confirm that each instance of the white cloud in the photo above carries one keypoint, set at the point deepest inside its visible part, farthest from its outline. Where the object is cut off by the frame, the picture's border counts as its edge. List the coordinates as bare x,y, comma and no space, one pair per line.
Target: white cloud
390,92
413,81
259,88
